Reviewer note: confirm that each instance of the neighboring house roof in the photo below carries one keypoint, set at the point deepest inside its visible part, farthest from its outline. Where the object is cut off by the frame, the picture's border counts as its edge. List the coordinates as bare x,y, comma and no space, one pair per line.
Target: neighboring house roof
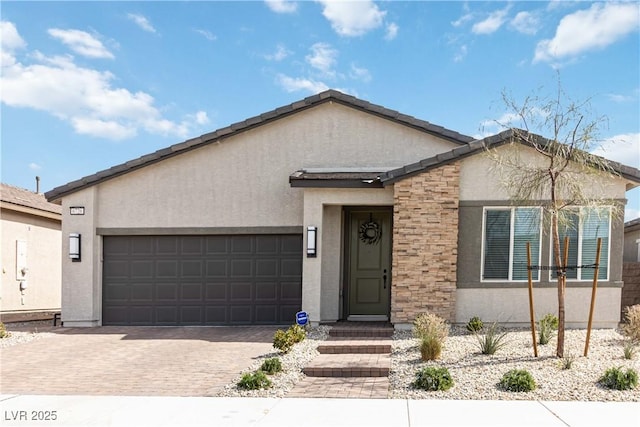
632,225
481,145
21,200
251,123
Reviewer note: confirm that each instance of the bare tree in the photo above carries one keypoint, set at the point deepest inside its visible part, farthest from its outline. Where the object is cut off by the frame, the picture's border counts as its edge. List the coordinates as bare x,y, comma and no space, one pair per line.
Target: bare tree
562,173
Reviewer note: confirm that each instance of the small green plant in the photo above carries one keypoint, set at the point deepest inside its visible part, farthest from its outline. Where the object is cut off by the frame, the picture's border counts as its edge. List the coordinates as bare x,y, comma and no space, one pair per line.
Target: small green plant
631,327
3,331
547,327
492,340
254,381
615,379
298,333
629,349
433,378
567,361
431,330
271,366
430,348
284,340
475,324
517,380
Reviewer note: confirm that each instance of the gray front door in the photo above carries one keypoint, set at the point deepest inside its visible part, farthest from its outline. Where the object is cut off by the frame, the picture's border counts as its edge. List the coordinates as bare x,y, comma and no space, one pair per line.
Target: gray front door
369,261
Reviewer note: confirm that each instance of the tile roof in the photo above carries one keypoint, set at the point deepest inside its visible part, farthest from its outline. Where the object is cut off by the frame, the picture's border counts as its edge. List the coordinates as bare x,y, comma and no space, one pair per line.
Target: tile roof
480,145
250,123
28,199
337,179
632,225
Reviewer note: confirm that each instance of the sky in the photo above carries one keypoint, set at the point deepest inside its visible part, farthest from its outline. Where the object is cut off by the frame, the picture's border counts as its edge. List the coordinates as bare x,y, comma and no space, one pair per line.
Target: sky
89,85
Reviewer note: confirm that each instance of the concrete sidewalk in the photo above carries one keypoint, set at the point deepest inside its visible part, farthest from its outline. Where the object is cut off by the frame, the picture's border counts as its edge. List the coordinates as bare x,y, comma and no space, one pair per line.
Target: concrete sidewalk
32,410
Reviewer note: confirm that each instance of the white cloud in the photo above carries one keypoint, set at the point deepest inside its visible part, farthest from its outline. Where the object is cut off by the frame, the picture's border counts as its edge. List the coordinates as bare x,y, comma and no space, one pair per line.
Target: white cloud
282,6
624,149
323,58
281,53
392,31
594,28
206,34
83,97
141,21
619,98
34,166
81,43
361,74
493,22
525,23
462,53
10,40
291,84
352,18
201,118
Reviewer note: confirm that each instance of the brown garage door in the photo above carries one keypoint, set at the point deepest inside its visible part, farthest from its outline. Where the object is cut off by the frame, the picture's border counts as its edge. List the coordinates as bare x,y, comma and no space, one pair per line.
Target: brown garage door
201,280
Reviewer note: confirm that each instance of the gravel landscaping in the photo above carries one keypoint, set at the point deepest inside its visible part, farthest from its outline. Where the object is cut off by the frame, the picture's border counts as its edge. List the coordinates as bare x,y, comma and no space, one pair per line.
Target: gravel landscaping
476,375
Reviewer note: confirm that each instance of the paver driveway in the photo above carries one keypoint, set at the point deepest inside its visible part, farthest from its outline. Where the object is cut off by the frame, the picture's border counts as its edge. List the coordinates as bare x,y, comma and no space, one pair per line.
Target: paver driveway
150,361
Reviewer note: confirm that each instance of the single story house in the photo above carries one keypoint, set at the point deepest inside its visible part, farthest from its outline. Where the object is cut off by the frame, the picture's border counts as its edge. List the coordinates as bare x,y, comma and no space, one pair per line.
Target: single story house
31,255
333,205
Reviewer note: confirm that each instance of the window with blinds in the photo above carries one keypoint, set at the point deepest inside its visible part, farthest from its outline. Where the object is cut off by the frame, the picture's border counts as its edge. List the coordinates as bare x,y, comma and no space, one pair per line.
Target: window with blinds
583,227
506,232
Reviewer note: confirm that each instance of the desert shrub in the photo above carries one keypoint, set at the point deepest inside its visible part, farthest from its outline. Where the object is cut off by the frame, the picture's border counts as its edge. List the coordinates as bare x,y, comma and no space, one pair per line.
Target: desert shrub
615,379
271,366
254,381
517,380
567,361
492,340
547,327
283,341
3,331
431,330
631,327
629,349
475,324
433,378
430,348
298,333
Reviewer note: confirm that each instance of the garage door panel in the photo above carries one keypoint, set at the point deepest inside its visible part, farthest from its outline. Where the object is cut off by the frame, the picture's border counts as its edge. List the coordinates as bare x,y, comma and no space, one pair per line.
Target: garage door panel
167,269
142,293
267,267
141,315
242,245
167,292
202,280
266,291
217,268
240,314
191,292
216,292
191,269
266,314
141,246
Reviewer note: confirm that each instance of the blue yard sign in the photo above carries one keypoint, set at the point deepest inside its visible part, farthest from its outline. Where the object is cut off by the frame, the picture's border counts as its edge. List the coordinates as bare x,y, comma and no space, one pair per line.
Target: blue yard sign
302,318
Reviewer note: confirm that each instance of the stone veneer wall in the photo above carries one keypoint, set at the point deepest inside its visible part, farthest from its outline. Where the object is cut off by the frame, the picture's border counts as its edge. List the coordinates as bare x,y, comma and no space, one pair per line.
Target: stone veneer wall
631,288
425,244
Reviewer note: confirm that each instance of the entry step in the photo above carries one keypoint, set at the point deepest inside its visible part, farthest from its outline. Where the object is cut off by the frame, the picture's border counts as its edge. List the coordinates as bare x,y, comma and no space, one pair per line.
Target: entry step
367,332
349,365
355,346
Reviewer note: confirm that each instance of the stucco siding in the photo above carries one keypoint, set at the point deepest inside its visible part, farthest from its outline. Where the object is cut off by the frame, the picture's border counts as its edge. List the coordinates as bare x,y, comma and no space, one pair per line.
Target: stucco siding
512,306
43,272
244,181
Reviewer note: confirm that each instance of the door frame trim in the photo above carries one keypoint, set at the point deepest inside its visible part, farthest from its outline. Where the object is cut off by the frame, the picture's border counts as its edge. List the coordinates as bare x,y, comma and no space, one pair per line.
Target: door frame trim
346,251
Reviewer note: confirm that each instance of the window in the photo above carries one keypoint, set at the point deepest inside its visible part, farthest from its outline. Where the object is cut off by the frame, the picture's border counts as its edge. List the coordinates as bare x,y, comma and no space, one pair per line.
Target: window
583,226
505,236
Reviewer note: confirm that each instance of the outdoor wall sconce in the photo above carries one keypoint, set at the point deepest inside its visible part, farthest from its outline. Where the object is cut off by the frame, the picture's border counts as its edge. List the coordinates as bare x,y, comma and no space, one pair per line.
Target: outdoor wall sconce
74,247
312,241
